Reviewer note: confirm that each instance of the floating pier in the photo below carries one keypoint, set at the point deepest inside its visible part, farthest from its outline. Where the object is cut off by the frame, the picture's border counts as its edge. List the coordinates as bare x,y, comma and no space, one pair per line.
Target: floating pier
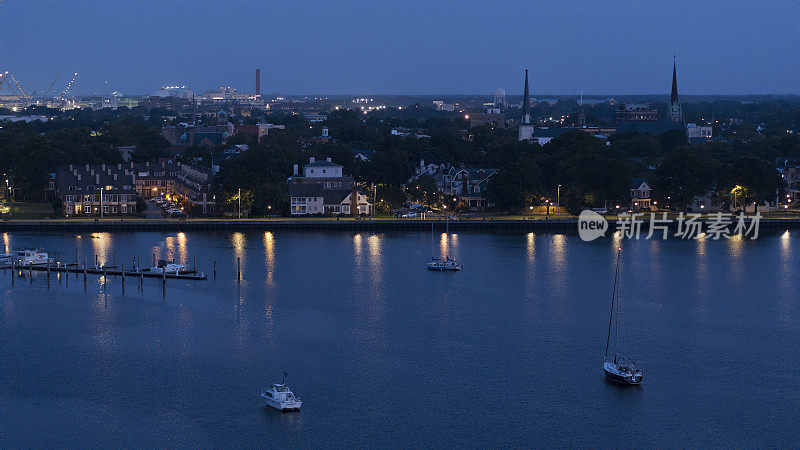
107,270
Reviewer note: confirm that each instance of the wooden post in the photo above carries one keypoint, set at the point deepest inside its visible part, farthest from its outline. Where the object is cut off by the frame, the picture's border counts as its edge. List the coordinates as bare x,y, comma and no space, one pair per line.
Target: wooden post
239,269
105,276
122,271
30,271
13,272
114,262
48,268
164,278
215,270
194,264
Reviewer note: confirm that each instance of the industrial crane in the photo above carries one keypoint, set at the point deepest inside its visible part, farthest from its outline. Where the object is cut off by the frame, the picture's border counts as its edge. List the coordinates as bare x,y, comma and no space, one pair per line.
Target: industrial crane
24,95
44,96
69,86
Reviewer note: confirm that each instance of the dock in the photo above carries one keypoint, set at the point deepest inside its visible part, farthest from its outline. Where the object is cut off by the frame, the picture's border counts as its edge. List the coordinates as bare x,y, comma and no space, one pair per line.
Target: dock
106,271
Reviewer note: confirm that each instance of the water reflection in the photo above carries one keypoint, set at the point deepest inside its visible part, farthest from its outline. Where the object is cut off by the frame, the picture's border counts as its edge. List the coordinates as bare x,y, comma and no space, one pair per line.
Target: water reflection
531,240
357,250
269,255
6,243
735,249
448,245
182,248
238,241
101,244
375,257
558,251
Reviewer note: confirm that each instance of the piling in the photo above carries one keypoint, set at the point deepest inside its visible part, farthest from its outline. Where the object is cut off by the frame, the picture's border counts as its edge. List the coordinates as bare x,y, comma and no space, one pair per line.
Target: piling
95,261
194,264
48,270
13,272
239,269
122,271
30,272
215,270
114,261
105,276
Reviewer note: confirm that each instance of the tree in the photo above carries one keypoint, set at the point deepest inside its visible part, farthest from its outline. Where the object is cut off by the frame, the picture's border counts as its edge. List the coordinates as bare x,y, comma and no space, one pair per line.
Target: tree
684,173
515,185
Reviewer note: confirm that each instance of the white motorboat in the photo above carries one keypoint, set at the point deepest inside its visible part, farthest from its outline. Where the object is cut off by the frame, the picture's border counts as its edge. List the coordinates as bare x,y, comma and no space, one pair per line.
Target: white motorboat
31,257
280,397
165,266
443,264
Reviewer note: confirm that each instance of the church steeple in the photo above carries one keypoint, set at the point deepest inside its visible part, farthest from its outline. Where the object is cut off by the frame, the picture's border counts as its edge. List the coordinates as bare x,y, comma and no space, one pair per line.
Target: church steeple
526,102
675,112
525,127
673,98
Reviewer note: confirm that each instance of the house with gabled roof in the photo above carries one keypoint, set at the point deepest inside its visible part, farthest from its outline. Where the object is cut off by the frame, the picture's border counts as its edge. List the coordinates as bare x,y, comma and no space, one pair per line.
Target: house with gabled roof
640,194
468,184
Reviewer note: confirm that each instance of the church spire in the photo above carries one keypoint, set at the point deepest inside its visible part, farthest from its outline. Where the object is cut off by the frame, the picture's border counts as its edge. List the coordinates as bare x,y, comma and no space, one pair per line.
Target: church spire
675,112
526,102
673,98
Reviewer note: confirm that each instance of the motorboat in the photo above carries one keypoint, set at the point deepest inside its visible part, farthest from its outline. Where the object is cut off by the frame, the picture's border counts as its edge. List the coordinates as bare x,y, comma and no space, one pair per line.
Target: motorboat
618,369
165,266
280,397
31,257
443,264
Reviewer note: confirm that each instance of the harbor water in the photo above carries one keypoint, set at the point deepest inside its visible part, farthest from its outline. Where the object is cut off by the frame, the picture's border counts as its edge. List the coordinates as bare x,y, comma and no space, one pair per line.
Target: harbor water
383,353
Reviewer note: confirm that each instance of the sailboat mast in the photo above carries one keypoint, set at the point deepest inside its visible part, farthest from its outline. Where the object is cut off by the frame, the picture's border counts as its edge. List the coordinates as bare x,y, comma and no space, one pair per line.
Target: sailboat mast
613,297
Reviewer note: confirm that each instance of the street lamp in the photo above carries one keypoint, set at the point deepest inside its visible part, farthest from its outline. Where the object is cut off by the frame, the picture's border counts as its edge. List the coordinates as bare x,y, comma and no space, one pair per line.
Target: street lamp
239,198
558,197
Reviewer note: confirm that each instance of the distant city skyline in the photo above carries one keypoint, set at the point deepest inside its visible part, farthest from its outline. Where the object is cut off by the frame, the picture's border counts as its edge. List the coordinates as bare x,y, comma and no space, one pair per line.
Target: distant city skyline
402,48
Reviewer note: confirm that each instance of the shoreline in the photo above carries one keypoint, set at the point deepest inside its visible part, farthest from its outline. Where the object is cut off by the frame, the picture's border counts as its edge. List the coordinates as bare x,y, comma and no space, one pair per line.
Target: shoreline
482,224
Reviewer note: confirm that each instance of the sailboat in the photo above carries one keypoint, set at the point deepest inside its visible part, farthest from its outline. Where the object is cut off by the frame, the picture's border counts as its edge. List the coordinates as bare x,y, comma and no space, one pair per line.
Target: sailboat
619,369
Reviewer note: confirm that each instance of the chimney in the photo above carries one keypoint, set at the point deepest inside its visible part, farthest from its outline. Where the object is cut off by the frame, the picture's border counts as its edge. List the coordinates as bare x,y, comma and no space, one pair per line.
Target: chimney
295,170
258,81
311,160
329,159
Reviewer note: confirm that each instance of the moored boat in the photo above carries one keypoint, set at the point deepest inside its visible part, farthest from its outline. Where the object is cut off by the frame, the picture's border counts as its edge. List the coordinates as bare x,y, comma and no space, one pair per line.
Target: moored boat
31,257
165,266
618,369
443,264
280,397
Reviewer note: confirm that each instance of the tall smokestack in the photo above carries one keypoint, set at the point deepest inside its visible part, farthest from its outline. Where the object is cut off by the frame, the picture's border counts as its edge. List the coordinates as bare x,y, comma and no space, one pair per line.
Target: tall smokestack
258,81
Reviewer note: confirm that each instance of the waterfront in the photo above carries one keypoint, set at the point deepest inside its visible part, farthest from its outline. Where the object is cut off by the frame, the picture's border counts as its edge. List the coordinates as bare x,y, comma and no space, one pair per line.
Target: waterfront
384,353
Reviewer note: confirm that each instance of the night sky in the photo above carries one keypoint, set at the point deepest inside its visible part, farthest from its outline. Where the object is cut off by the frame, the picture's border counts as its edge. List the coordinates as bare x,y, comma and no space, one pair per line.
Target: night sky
405,47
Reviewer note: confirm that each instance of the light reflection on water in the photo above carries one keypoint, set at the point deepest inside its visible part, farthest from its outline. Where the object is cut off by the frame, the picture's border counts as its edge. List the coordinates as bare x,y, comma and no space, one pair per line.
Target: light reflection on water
101,243
379,320
269,255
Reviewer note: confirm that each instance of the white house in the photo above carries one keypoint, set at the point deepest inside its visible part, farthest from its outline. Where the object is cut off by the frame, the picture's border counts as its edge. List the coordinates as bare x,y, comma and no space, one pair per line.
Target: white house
640,194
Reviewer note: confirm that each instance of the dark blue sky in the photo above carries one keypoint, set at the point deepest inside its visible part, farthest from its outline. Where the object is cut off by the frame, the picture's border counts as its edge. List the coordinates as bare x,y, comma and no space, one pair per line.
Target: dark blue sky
405,47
